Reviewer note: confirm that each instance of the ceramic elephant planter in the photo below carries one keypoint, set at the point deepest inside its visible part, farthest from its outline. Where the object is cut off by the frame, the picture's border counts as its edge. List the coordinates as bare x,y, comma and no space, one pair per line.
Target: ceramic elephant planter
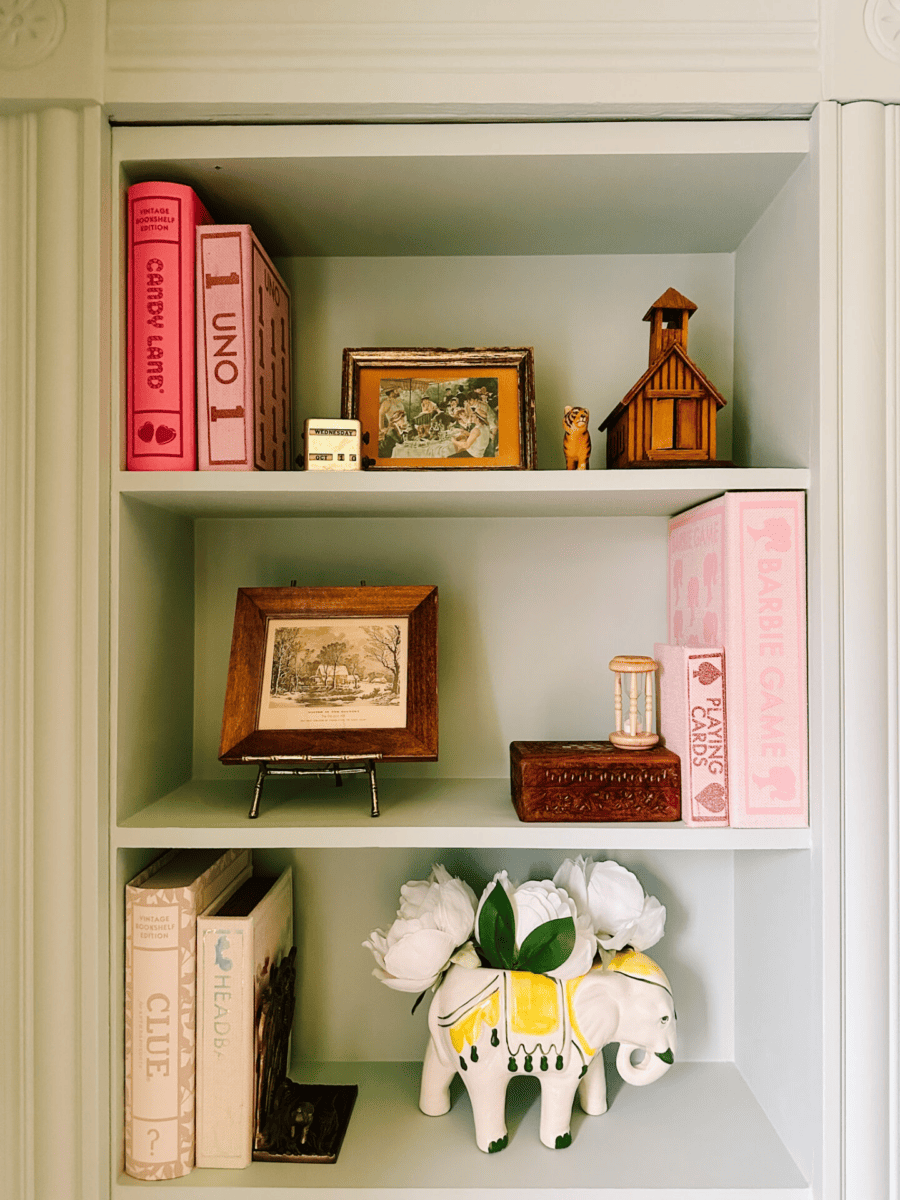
488,1025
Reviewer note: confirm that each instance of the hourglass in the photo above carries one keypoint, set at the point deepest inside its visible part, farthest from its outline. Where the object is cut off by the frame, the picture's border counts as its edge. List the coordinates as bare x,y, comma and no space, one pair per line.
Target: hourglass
631,733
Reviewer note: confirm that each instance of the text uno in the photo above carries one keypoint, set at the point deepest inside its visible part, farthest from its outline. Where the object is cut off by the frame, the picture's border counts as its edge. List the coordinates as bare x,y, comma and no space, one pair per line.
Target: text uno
224,367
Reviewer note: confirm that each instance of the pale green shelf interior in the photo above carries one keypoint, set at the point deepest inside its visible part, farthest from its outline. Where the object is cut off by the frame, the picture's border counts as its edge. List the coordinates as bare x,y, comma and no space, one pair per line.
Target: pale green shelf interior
557,238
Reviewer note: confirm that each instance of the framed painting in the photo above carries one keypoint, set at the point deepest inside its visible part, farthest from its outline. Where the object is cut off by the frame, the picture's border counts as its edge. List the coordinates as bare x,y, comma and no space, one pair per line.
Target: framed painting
442,409
332,670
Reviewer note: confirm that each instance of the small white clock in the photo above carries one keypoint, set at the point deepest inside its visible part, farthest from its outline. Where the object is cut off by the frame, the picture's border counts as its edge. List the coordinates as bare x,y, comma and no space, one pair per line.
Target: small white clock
332,444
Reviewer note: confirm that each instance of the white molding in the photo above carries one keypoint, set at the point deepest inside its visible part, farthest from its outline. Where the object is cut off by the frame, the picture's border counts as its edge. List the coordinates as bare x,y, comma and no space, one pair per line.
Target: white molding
860,51
53,1065
882,18
29,33
892,551
220,37
868,282
825,667
17,194
712,55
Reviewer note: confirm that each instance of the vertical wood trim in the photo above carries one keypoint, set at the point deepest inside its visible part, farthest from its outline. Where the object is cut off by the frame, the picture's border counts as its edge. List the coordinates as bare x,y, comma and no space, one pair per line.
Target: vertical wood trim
57,642
867,400
825,669
55,1005
93,692
17,195
892,647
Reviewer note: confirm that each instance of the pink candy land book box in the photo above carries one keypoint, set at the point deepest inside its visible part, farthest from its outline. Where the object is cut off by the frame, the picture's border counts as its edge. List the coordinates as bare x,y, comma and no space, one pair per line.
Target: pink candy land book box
161,421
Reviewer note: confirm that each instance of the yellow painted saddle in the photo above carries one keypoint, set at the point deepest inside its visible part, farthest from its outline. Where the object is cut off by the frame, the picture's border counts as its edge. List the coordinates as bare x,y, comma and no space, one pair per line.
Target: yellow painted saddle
534,1015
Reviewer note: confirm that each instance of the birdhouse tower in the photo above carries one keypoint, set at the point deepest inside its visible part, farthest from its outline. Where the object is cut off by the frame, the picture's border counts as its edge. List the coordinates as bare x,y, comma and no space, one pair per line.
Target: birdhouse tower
668,419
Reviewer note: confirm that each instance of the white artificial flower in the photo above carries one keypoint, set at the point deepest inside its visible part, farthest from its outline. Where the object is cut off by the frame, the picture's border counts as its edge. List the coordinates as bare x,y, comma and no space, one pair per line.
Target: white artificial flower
621,915
649,927
573,877
450,900
411,957
436,917
537,901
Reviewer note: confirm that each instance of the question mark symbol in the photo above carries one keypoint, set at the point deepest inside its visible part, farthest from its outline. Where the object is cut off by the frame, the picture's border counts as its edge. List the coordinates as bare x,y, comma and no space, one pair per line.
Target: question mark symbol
153,1135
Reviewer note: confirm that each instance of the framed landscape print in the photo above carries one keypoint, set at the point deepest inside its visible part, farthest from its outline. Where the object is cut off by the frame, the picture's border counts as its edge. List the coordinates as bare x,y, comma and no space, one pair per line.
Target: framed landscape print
320,671
442,409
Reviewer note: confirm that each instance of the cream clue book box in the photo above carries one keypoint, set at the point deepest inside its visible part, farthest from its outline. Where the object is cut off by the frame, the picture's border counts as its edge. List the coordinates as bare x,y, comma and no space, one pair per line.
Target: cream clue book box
737,579
161,908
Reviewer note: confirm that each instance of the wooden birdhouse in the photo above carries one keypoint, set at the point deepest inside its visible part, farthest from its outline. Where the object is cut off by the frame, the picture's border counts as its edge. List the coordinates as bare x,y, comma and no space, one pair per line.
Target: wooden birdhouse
668,419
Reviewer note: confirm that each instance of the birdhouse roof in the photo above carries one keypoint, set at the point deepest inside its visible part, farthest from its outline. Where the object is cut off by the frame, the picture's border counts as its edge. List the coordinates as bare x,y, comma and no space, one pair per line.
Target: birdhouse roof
675,348
670,299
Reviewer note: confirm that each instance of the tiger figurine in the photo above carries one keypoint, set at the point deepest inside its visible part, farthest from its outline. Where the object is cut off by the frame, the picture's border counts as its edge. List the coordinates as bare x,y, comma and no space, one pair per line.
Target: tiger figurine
576,439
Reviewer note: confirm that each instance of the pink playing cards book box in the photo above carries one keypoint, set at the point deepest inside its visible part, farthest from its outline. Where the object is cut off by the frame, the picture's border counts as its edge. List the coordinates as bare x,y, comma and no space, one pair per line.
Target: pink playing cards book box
737,579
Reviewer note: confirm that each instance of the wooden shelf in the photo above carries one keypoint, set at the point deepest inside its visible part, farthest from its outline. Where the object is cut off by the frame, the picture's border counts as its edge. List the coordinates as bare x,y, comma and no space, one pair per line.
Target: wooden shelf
414,812
698,1129
447,494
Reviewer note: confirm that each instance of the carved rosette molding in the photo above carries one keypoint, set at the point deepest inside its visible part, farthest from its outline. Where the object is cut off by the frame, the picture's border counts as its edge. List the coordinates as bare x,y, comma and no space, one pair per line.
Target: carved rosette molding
882,18
54,1053
30,30
869,275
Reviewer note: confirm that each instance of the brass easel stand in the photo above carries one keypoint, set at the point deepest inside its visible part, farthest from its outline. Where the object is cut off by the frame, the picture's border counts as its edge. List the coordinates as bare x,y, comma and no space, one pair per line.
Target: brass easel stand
315,764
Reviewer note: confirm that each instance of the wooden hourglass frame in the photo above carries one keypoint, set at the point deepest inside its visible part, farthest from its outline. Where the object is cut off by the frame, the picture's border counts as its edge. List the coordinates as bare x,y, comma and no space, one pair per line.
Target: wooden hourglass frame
633,734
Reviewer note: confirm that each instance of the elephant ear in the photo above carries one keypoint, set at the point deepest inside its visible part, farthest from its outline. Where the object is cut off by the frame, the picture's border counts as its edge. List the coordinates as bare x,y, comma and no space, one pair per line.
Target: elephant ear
497,929
547,947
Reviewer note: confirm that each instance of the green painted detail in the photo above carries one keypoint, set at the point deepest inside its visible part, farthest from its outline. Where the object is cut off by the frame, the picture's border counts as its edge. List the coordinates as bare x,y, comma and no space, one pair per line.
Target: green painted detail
559,1062
495,1038
474,1055
583,1071
463,1066
668,1057
544,1063
500,1144
528,1064
512,1065
564,1139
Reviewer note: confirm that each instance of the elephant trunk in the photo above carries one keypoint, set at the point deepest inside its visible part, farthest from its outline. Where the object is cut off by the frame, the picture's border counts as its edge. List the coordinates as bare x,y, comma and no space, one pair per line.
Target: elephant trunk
652,1067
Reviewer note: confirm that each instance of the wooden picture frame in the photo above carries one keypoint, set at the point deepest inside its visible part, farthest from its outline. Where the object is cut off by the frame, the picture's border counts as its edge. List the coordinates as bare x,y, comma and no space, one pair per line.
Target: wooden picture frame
293,691
435,409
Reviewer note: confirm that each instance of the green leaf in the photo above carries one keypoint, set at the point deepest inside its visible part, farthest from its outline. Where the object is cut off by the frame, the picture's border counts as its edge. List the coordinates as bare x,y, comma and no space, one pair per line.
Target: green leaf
497,929
547,947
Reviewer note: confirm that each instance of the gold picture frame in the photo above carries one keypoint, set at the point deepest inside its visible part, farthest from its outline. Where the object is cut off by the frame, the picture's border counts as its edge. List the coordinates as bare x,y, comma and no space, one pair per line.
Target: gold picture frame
437,409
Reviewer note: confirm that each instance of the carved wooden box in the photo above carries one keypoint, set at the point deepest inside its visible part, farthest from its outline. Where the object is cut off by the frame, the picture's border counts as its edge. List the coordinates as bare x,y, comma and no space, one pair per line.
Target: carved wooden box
594,781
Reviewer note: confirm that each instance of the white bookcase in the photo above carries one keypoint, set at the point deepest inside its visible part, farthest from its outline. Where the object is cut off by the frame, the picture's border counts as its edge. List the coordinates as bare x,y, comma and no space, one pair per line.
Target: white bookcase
557,236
